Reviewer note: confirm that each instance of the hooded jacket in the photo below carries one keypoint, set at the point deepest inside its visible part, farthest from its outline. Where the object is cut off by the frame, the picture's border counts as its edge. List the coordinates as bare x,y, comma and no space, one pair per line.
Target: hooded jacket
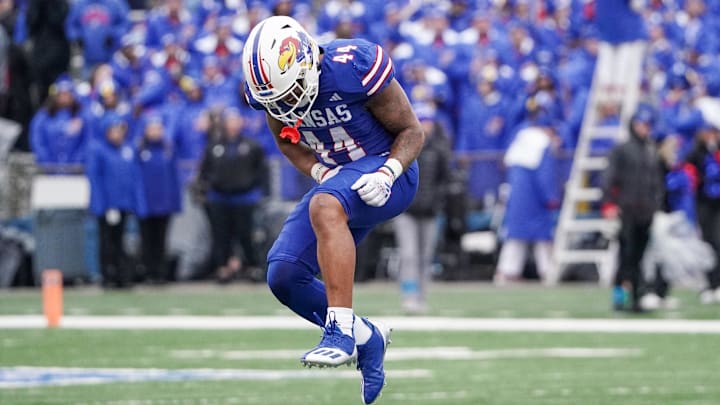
634,179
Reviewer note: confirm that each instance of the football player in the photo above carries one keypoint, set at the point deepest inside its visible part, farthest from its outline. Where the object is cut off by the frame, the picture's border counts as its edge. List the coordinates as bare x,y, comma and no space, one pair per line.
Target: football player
338,115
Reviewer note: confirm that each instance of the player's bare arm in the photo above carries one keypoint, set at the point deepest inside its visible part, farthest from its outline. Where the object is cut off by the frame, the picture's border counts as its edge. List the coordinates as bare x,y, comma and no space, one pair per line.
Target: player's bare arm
392,108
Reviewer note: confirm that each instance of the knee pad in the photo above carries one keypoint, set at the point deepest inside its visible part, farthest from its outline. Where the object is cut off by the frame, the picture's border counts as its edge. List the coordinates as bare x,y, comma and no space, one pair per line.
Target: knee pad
295,286
284,277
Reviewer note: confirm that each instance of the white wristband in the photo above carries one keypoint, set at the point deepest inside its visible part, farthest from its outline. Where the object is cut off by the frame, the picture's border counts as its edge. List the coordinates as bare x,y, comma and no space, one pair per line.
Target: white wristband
395,167
318,170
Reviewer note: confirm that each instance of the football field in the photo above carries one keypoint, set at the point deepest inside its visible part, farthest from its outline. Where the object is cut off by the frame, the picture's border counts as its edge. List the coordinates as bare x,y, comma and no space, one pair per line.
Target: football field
204,344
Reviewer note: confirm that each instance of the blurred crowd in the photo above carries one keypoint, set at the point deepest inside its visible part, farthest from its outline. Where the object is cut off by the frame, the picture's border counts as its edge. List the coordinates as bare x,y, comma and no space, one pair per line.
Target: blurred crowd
488,65
91,84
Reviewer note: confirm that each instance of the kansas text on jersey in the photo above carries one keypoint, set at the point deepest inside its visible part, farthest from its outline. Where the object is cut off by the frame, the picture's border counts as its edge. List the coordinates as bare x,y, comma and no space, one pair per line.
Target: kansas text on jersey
339,128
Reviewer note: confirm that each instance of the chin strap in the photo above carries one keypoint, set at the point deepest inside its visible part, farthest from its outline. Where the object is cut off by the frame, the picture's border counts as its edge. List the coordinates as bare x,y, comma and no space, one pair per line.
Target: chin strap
291,133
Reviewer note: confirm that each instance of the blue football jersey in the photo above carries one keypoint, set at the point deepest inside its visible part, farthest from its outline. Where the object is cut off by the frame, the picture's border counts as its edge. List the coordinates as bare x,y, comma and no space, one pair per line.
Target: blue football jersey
338,127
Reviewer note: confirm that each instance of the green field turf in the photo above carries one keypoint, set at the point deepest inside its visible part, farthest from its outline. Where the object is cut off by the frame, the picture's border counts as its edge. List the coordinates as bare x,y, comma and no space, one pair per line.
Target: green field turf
379,299
677,369
505,368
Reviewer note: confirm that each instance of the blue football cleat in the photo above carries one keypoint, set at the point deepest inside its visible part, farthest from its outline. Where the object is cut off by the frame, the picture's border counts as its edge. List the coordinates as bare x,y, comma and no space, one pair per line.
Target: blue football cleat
335,349
370,361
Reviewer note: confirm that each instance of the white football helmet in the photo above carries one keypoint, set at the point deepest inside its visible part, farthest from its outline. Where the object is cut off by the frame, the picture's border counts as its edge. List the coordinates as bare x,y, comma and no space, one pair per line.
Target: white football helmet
281,67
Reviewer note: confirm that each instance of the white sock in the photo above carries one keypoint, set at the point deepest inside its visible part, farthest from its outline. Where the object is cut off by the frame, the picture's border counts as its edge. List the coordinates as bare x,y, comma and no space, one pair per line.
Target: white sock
362,331
344,318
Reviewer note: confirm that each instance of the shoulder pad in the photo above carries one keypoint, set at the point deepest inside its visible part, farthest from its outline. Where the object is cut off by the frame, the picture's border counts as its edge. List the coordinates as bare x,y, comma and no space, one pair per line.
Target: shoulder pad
361,66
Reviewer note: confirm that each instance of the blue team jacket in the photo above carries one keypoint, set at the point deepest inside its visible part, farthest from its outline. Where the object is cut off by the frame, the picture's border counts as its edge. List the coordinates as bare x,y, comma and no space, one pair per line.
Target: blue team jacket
99,24
113,175
158,187
534,199
59,139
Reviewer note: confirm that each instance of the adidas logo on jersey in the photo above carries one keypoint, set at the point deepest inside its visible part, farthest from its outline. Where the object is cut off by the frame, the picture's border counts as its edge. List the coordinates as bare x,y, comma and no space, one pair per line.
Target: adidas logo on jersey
335,97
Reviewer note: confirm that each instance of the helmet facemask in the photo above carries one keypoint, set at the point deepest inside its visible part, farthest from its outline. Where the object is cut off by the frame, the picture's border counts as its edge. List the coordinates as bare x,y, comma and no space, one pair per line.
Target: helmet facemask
295,103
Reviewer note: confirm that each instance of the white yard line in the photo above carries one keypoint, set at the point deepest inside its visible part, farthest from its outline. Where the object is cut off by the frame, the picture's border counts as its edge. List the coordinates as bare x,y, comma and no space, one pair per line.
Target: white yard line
423,353
398,323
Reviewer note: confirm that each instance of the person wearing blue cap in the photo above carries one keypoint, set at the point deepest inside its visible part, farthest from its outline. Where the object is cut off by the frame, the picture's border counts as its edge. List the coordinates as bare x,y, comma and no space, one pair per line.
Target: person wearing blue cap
482,129
112,173
221,91
633,188
220,44
158,193
172,61
189,234
108,99
97,25
426,83
154,87
59,130
129,63
169,17
191,132
417,229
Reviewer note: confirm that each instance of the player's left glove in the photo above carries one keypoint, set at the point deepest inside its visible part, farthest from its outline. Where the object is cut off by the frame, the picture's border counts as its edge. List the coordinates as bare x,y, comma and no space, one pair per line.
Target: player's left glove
322,173
375,188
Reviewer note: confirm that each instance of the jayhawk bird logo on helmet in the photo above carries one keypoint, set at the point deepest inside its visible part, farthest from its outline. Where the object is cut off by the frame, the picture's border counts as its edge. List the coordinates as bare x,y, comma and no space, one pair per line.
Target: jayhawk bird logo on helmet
288,53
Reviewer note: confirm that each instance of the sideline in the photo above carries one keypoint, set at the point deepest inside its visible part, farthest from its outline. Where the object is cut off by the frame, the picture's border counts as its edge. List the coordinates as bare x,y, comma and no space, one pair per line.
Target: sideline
425,324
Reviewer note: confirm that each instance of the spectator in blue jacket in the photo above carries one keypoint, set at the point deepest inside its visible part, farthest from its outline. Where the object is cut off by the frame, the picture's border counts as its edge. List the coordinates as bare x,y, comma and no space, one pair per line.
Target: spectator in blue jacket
112,173
681,179
220,44
97,25
155,85
108,99
158,192
221,91
170,17
189,231
425,84
482,133
533,201
698,30
172,61
191,132
705,158
59,132
129,62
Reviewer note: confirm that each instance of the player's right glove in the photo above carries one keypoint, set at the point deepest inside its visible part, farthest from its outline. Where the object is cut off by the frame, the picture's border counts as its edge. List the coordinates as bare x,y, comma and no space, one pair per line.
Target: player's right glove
375,188
322,173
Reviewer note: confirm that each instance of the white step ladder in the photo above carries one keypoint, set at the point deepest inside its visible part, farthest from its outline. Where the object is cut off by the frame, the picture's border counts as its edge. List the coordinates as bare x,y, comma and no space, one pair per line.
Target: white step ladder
574,226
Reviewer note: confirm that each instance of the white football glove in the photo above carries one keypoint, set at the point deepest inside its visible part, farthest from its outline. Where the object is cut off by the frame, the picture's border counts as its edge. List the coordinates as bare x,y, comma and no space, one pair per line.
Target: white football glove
322,173
375,188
